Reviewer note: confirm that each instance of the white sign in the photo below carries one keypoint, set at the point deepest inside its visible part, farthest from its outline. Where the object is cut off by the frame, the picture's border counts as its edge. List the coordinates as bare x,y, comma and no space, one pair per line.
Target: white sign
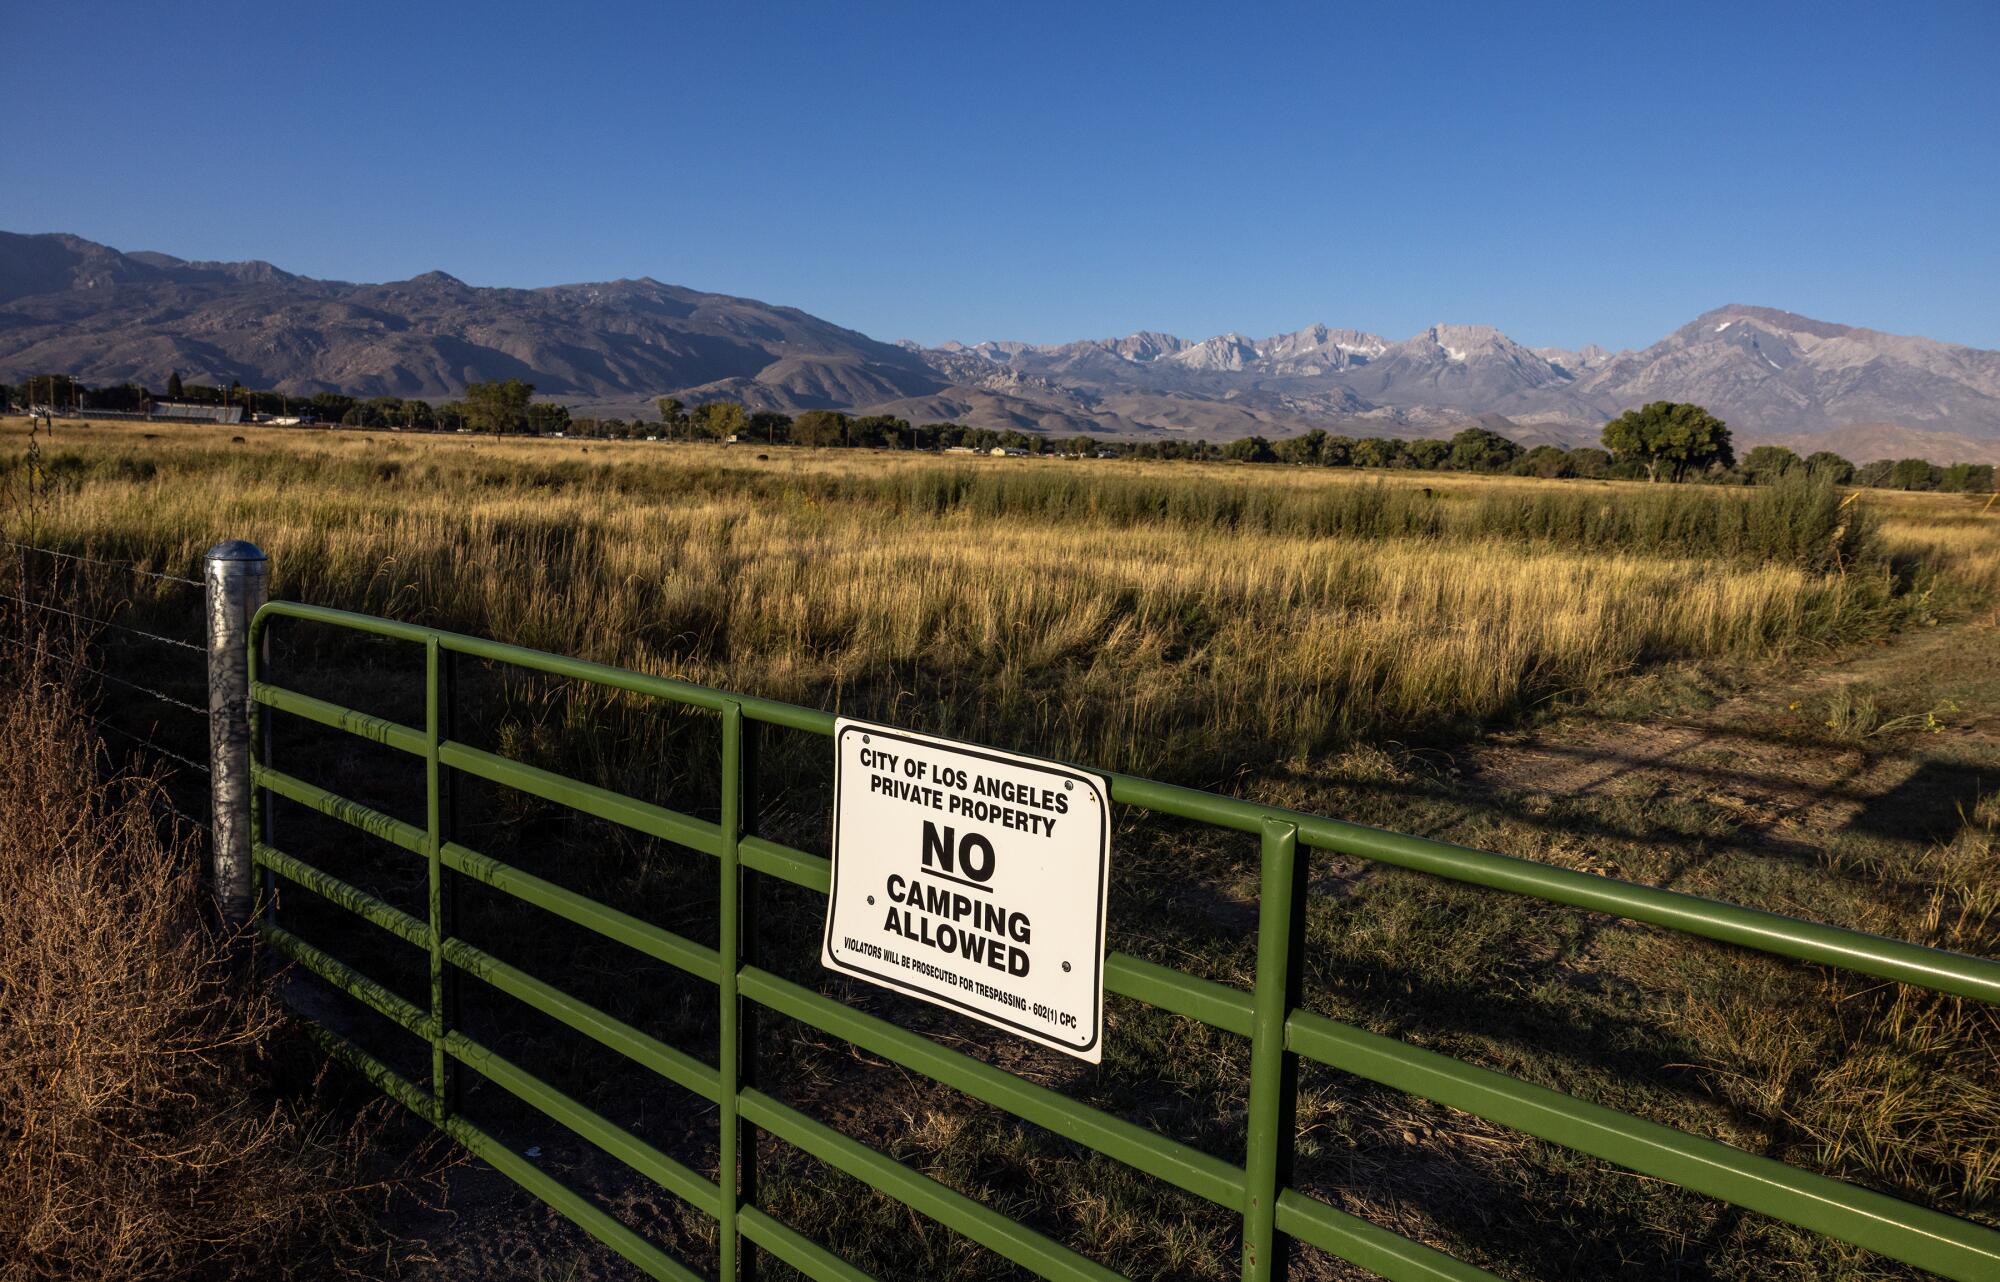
973,879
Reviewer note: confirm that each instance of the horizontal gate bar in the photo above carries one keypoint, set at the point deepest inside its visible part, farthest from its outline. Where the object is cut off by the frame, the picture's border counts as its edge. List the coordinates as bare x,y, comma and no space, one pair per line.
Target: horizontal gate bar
656,942
1913,1234
585,1122
769,711
760,854
984,1225
334,806
677,1066
348,896
1161,987
779,1238
1930,1239
380,729
586,1215
1178,1164
393,1084
1836,946
640,816
796,1249
1369,1245
1178,993
1941,971
371,993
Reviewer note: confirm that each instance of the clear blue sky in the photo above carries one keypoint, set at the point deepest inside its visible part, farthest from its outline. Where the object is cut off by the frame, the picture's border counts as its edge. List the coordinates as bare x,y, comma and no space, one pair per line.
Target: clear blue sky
1574,173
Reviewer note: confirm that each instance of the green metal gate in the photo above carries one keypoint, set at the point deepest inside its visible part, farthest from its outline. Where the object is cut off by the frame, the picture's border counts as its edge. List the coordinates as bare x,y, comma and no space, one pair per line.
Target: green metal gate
1281,1032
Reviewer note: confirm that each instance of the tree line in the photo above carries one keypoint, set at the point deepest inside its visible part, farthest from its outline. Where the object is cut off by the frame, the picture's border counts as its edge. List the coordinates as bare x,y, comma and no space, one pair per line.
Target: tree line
1663,441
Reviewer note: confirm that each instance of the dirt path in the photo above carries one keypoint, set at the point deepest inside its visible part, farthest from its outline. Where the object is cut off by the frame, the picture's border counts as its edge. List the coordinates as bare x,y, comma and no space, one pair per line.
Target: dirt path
1917,739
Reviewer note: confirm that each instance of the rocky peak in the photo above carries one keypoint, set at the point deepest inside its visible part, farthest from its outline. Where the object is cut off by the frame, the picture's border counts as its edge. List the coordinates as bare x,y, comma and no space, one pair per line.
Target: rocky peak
1225,352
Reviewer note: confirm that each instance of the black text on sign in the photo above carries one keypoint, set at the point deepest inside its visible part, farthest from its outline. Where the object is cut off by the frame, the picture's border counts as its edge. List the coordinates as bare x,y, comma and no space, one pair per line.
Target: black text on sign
972,878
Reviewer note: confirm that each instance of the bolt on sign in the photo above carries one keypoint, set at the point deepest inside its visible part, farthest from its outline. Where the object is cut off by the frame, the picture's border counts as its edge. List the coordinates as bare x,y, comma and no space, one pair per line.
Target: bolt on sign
973,879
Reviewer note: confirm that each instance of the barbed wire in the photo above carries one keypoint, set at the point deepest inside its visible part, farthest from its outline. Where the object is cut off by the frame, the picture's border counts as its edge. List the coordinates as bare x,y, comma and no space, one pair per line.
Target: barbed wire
183,815
91,560
144,742
161,695
153,745
105,623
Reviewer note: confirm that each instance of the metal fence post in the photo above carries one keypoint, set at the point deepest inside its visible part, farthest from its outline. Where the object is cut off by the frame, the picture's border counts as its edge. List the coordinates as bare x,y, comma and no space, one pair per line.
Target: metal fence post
1271,1123
237,575
729,1046
749,796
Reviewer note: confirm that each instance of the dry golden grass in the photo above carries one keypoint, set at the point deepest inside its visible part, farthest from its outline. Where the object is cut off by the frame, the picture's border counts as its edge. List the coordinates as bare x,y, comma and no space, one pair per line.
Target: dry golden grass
139,1136
1122,626
1198,622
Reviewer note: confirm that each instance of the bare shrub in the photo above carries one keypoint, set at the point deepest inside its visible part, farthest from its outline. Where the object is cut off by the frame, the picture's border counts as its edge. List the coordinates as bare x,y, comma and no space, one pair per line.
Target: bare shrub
140,1136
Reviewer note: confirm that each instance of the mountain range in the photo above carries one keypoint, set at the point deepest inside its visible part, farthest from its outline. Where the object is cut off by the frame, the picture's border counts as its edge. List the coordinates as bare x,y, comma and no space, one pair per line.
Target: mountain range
69,305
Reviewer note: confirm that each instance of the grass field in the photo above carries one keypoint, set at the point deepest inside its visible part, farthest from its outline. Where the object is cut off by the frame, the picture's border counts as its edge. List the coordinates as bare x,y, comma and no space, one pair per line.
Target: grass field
1790,694
1154,618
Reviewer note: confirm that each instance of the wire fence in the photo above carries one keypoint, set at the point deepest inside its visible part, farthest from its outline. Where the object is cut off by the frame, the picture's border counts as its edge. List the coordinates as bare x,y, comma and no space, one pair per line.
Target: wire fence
104,623
151,745
91,560
90,626
102,675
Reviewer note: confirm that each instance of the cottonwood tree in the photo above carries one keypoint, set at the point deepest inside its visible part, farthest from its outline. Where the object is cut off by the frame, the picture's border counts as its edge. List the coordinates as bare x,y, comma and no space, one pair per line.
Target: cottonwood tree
771,425
1767,463
1303,449
1967,478
820,427
673,414
1589,462
1912,474
546,419
1830,465
1429,454
1478,450
1671,436
1545,461
497,407
720,420
1377,451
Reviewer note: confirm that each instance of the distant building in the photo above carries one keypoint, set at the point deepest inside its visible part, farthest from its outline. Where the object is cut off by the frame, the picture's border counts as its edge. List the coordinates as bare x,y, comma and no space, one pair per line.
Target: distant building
960,449
174,411
184,412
